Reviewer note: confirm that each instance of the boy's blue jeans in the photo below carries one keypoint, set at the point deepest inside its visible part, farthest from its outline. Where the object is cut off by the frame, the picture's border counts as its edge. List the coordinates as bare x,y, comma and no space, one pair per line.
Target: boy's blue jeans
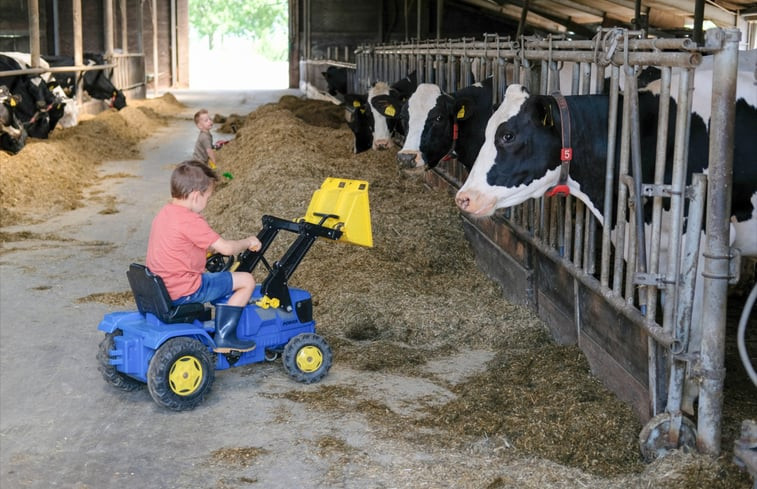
213,286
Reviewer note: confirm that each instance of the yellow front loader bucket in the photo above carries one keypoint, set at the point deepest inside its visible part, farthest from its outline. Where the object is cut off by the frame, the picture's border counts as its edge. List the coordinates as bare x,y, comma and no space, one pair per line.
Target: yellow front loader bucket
345,202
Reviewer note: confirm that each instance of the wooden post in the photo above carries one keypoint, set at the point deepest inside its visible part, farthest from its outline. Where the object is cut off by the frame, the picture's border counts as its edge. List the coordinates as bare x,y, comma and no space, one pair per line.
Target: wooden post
78,51
155,72
294,43
124,27
108,28
34,32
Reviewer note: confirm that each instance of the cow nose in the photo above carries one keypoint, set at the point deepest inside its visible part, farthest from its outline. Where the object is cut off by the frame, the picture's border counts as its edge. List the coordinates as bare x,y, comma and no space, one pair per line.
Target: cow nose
462,200
406,160
382,144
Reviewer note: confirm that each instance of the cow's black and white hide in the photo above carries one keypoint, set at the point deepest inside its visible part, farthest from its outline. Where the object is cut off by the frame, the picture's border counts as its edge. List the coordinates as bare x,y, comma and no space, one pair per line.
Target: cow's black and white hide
12,132
440,125
38,109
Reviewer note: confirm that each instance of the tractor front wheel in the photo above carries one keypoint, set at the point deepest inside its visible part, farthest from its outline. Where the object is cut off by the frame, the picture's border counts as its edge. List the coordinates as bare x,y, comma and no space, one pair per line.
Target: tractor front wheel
307,358
109,372
180,374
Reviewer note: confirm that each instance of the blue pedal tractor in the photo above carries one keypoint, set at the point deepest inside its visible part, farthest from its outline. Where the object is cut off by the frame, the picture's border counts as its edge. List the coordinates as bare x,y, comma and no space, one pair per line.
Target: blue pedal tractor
172,348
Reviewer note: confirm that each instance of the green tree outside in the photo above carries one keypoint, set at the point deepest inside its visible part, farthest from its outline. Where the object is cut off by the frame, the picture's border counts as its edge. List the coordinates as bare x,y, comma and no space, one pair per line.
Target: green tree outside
264,22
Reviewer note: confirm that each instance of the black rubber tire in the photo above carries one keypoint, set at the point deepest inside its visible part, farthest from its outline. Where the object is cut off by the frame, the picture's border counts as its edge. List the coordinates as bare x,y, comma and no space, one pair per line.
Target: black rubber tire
307,358
168,386
109,372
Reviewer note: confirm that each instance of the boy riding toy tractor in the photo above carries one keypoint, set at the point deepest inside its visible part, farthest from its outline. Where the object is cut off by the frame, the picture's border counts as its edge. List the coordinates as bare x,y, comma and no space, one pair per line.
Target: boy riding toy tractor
173,350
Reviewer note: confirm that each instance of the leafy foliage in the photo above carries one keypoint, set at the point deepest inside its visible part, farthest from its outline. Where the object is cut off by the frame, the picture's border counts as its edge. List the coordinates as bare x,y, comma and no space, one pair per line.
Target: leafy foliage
257,20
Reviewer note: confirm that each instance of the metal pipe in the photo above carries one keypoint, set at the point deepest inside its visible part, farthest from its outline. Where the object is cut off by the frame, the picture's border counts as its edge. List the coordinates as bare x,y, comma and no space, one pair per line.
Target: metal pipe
677,189
620,220
683,316
612,130
57,69
717,246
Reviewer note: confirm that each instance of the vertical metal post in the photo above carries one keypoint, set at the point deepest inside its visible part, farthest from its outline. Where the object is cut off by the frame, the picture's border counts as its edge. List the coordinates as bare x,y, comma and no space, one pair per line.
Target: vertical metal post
717,245
612,124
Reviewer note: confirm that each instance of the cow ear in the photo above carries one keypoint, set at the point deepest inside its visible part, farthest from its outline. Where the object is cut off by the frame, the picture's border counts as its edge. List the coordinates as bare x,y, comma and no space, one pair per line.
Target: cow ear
542,113
463,108
355,100
386,105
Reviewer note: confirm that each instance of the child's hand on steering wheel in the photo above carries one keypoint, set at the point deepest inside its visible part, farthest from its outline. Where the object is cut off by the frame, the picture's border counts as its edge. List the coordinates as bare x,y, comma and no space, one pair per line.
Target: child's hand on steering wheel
255,243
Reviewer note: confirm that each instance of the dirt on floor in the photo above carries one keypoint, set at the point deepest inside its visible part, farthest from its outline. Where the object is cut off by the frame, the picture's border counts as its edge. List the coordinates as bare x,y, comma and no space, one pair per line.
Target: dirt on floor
414,306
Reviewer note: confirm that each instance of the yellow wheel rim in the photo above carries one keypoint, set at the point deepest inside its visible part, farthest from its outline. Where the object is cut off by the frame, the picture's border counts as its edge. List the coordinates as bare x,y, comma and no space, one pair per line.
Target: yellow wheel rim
186,375
309,359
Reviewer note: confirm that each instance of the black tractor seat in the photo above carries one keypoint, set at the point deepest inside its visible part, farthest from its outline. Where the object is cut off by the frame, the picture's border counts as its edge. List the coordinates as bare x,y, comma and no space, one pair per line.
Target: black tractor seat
151,296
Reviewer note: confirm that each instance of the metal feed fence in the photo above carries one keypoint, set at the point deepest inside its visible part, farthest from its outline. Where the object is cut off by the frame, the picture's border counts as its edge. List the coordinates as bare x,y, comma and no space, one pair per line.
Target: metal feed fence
633,278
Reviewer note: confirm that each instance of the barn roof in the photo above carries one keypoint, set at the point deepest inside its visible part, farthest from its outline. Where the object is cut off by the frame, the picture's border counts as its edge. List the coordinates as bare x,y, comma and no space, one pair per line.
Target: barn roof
582,17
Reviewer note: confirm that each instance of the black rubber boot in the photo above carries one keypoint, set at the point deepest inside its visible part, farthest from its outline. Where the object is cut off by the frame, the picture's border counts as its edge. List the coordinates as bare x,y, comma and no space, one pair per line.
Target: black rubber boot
227,319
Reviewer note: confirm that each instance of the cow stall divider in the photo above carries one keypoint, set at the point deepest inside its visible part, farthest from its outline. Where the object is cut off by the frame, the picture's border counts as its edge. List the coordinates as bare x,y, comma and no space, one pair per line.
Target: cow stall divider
624,295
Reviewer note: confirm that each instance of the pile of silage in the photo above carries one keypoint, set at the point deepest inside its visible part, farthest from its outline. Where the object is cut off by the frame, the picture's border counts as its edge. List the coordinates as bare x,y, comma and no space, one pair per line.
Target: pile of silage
418,285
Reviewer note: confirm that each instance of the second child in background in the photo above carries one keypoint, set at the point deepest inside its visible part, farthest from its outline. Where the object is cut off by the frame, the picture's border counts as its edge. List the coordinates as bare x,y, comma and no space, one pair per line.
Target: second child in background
204,151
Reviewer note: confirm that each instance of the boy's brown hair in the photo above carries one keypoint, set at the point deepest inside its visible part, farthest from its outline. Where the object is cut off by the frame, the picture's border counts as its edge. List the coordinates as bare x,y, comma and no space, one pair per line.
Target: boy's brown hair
189,176
199,113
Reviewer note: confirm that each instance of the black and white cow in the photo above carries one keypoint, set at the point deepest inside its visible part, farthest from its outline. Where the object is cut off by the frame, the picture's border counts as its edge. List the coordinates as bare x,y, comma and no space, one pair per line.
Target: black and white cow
96,82
439,125
38,109
12,132
336,80
520,158
366,119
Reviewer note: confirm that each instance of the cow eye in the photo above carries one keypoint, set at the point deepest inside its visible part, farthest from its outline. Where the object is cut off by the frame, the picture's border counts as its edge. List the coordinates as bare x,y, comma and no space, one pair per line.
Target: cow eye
506,137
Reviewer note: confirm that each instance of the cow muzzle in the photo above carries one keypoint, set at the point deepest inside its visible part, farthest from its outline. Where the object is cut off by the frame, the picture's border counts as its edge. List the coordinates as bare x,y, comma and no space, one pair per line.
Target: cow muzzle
382,144
409,159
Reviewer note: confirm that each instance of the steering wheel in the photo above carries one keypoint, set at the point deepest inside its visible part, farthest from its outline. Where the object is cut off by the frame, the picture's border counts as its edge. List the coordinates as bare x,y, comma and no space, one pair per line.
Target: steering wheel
218,263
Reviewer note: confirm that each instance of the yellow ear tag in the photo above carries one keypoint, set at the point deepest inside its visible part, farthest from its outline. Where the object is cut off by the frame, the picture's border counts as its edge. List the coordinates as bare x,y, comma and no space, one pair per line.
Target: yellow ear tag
356,103
461,112
13,102
390,111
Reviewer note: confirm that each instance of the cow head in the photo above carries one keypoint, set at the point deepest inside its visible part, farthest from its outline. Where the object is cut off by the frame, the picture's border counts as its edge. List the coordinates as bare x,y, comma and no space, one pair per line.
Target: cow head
427,106
117,99
12,133
519,158
360,121
336,80
382,137
439,125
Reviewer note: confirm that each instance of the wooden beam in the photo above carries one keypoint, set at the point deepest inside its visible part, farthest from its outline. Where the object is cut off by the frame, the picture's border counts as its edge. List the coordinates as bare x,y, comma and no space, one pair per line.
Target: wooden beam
33,6
686,7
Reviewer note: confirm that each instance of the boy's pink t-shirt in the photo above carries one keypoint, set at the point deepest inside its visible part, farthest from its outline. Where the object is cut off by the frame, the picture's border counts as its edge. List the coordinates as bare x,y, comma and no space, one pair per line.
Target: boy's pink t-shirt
177,248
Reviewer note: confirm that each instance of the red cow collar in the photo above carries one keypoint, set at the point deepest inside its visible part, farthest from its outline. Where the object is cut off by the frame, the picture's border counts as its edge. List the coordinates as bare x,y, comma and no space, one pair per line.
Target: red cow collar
566,152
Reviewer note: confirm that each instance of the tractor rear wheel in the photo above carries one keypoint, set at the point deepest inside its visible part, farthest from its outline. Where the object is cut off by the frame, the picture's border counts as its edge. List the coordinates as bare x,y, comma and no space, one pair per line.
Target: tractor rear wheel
180,374
307,358
109,372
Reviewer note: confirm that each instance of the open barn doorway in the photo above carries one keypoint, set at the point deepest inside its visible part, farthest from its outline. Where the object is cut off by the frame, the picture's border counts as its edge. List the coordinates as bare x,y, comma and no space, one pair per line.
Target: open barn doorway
238,44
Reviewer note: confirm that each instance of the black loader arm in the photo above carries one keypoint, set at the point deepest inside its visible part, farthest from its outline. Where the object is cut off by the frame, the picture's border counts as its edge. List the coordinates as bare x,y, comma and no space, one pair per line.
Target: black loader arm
275,285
